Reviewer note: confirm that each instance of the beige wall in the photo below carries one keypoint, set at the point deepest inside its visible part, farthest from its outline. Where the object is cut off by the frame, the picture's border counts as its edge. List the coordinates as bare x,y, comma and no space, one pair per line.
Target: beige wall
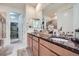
76,16
30,13
65,20
69,18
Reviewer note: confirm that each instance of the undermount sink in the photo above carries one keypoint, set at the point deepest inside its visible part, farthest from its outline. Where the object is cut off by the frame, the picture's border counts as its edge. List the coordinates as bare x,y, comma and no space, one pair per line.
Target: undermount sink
59,39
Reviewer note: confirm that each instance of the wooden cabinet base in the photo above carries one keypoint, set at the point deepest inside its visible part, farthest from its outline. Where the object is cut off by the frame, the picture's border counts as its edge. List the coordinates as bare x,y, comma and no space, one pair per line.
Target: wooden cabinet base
45,52
41,47
61,51
35,52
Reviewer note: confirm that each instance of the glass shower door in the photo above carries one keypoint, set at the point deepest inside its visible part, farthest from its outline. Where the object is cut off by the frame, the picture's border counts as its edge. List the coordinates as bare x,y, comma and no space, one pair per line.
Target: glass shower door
14,30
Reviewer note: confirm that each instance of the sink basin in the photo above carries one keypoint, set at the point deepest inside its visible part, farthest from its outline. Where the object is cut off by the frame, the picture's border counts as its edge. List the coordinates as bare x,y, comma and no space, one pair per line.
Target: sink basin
59,39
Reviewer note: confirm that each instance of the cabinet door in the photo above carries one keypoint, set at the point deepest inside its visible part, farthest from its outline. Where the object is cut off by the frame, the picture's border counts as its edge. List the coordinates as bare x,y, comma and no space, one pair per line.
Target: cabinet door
35,52
35,44
35,48
45,52
28,40
62,51
45,43
35,38
31,43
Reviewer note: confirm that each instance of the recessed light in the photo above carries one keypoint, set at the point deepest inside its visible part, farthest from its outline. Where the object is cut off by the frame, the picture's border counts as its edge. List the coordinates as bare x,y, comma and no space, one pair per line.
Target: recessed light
11,13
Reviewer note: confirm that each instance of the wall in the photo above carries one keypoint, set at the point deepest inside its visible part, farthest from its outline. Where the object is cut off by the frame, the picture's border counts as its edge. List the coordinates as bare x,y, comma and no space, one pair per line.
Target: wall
65,20
39,14
20,25
39,11
76,16
30,14
69,19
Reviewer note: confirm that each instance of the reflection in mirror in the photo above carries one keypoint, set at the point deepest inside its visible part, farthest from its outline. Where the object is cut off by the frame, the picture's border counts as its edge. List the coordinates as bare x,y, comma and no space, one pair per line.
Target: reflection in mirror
52,23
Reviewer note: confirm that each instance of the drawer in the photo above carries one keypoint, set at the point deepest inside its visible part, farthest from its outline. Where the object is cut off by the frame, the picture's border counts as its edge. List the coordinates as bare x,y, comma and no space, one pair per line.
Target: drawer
61,51
29,40
35,44
28,35
35,52
45,43
35,38
30,43
45,52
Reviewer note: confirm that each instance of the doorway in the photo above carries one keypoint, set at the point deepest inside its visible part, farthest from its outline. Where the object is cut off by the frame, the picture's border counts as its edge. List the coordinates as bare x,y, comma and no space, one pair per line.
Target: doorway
14,28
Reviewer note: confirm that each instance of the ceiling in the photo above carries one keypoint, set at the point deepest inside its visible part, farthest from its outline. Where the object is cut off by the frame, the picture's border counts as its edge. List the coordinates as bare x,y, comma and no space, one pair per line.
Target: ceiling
45,6
54,7
32,4
51,8
17,5
48,8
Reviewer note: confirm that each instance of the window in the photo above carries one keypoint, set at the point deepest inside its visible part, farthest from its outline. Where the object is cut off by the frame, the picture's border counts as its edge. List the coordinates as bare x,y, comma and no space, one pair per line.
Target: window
36,24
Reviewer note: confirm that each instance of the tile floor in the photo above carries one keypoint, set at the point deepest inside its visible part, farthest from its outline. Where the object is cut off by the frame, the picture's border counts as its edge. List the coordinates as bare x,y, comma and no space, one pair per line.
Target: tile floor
16,46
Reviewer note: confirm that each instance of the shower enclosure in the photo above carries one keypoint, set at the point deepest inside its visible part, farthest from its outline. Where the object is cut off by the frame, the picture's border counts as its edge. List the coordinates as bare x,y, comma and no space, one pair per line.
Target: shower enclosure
14,26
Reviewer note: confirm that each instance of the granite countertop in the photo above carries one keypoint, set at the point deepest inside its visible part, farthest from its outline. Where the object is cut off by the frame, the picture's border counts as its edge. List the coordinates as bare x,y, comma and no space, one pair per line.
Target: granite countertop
70,45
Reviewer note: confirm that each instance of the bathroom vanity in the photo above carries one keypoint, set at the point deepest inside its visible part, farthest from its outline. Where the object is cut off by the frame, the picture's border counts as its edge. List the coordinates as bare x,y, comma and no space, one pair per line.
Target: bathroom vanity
42,45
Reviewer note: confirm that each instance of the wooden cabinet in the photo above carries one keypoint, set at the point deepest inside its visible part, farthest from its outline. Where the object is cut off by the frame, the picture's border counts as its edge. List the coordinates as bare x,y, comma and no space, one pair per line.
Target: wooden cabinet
44,48
35,52
45,43
62,51
45,52
35,38
55,48
35,46
41,47
29,41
